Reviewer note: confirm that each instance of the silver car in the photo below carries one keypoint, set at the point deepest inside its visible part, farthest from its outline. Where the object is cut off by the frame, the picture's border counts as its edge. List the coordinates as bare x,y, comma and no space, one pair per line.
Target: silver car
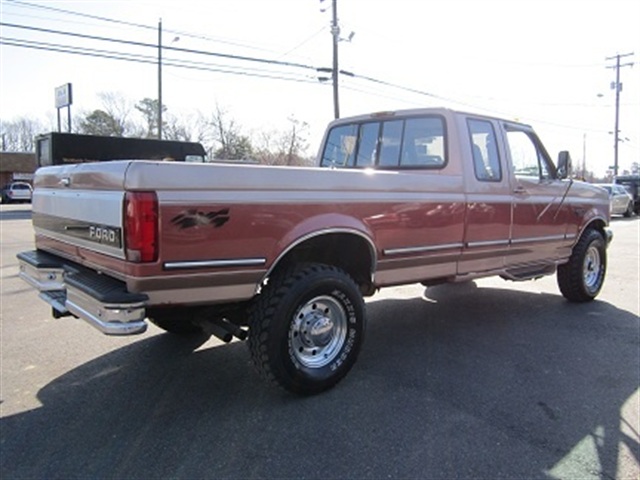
16,192
621,200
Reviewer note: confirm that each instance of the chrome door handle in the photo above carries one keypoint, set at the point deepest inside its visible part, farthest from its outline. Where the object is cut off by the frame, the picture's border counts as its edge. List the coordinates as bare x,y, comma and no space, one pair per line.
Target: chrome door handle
520,190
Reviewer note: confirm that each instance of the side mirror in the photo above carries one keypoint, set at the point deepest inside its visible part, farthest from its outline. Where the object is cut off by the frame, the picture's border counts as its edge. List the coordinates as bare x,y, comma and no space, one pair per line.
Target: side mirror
564,165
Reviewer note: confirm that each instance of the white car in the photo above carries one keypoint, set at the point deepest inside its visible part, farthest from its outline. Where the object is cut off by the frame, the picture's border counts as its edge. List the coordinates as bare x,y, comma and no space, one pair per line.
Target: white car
621,200
17,192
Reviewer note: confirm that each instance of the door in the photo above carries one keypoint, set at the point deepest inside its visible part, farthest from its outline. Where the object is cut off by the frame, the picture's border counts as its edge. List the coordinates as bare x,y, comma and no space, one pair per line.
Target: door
539,210
488,213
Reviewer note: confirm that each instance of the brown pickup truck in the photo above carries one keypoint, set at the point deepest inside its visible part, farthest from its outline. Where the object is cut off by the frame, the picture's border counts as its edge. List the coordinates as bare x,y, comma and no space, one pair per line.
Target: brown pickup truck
283,256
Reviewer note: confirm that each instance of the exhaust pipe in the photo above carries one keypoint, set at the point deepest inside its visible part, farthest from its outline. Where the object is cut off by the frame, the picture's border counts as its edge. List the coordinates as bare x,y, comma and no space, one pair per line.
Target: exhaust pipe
223,329
232,328
213,328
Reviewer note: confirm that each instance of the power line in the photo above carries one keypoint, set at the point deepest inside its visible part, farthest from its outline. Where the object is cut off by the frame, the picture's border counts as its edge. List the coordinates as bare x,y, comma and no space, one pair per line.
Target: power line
78,14
137,25
150,45
202,66
210,67
131,57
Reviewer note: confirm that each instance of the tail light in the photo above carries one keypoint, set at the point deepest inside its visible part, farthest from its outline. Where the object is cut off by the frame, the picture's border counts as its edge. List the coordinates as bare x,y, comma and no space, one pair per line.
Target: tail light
141,226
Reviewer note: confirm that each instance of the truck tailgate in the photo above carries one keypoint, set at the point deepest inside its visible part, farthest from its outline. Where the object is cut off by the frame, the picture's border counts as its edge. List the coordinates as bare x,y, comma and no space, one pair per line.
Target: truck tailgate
82,205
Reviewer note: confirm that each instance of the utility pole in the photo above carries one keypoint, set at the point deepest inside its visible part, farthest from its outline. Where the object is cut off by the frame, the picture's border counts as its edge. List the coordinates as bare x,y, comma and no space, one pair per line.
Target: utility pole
160,79
618,87
335,32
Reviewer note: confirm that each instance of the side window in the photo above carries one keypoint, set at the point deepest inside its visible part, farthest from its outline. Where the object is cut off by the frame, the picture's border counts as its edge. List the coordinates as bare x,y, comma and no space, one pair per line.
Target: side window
339,151
390,143
527,160
403,143
367,144
486,161
423,144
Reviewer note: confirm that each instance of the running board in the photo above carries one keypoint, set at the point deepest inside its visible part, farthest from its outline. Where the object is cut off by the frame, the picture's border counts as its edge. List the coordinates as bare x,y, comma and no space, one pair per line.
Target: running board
528,273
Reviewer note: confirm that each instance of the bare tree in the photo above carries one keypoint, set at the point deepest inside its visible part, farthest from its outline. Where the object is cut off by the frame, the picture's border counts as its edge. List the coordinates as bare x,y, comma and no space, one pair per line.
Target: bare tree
265,151
119,108
295,141
231,143
284,147
19,135
112,120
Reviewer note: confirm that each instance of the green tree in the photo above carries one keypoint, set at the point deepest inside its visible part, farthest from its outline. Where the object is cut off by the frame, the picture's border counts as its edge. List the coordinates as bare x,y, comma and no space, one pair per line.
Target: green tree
148,107
111,120
100,123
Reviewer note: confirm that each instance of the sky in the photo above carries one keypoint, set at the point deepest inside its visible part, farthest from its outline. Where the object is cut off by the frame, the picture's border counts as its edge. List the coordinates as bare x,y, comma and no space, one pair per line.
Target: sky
542,62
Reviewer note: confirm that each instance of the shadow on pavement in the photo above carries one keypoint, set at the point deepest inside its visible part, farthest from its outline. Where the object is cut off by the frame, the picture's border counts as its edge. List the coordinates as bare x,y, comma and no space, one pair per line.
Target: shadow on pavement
465,382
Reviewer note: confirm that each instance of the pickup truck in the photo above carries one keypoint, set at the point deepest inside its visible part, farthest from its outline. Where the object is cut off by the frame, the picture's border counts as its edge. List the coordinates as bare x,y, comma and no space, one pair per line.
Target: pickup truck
283,256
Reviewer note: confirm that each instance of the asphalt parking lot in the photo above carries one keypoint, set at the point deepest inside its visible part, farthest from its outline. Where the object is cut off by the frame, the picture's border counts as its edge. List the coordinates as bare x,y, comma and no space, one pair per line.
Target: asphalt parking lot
488,380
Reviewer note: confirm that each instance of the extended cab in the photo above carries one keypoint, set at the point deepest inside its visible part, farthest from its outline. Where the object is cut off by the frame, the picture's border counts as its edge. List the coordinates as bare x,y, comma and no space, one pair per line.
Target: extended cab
284,255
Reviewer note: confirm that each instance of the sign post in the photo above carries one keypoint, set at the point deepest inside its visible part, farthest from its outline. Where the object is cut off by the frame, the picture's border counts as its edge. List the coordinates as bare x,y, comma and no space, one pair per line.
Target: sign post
64,99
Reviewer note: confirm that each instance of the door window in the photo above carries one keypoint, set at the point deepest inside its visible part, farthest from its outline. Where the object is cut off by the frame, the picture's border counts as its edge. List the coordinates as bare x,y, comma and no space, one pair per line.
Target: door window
526,157
486,161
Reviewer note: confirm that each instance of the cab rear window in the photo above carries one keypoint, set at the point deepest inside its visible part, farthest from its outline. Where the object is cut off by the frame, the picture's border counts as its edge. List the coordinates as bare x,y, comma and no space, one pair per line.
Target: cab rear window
411,143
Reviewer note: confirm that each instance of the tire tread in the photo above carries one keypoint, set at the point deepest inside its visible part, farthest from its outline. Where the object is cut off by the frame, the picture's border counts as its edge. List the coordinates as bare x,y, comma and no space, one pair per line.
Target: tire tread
570,275
263,310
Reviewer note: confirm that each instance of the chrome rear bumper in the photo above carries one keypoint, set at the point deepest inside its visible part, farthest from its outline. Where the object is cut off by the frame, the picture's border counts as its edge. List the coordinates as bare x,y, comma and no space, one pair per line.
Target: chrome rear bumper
71,289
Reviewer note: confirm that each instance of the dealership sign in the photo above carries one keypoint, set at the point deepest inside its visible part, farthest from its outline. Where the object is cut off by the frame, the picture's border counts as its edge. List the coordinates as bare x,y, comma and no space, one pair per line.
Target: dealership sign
63,96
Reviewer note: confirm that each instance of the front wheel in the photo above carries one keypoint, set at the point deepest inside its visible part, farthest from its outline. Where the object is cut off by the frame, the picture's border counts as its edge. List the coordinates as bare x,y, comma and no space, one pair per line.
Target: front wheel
629,211
306,328
582,277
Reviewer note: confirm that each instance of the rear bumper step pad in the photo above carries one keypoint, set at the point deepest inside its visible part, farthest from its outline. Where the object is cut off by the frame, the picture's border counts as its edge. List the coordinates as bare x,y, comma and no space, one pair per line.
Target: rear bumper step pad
100,300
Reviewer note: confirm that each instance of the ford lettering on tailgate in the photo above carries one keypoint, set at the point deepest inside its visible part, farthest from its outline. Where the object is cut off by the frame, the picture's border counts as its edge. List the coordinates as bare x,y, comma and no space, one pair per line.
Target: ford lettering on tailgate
107,235
93,232
102,234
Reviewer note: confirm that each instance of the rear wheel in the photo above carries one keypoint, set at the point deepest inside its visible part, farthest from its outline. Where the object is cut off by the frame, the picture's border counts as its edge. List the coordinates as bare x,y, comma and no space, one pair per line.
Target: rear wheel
582,277
629,210
306,328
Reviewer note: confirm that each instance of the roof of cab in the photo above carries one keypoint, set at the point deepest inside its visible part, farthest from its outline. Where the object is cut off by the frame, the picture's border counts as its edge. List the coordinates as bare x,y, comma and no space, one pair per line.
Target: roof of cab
446,112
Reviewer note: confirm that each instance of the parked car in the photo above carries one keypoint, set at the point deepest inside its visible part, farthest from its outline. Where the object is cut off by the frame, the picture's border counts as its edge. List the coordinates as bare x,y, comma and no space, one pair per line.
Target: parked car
632,184
17,192
621,200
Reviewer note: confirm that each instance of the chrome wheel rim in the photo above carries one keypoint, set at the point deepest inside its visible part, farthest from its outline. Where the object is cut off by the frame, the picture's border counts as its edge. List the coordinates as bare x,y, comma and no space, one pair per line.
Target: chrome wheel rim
318,331
591,268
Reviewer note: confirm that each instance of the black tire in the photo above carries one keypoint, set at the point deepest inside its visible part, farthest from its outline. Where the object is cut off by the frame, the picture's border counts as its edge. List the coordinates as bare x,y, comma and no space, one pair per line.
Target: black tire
582,277
629,211
306,328
179,323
